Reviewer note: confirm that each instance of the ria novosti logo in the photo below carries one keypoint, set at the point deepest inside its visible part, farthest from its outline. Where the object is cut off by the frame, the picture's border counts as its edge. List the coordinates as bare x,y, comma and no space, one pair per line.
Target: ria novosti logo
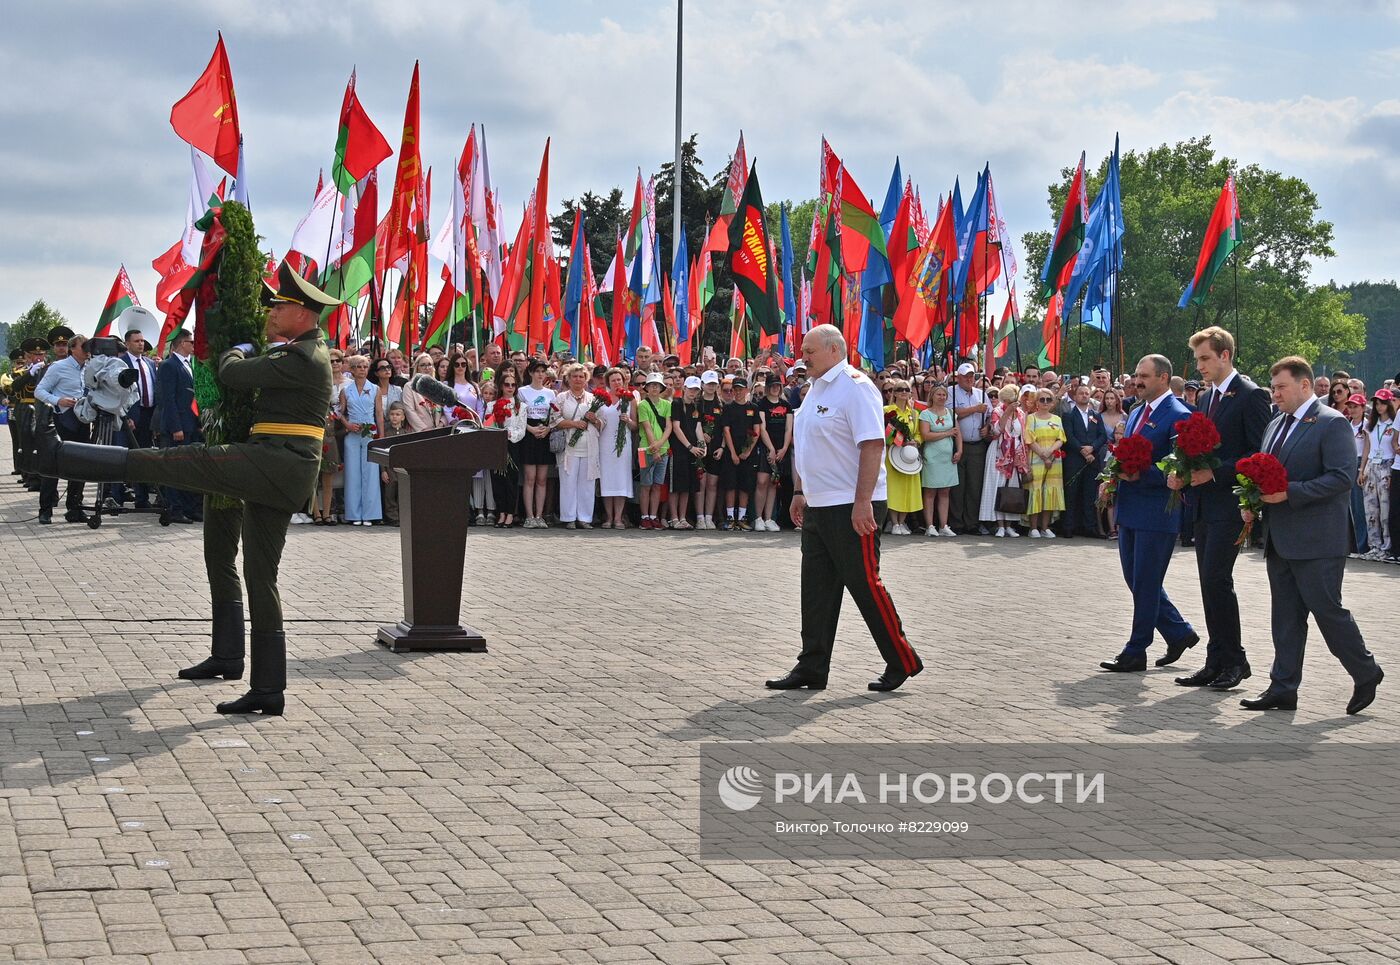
740,788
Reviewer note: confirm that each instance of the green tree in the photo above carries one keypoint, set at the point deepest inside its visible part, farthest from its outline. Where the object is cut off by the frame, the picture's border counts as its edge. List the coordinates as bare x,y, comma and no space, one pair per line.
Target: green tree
1168,194
604,215
700,198
1379,302
37,320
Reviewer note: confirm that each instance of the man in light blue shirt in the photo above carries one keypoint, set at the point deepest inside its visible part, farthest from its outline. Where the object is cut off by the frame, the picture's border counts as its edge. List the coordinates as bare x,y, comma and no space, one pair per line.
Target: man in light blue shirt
61,386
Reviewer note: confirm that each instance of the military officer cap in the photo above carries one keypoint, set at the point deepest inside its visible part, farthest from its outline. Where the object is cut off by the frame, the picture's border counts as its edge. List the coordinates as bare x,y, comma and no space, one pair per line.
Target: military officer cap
60,334
35,344
16,354
296,290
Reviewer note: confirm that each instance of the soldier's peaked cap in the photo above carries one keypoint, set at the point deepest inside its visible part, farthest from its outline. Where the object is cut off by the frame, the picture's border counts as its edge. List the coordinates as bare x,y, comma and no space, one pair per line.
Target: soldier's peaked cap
296,290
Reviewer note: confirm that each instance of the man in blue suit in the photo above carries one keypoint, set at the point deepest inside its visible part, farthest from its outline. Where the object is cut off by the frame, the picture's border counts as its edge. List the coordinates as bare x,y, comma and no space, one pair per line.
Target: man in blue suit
1240,411
1146,530
1087,439
179,426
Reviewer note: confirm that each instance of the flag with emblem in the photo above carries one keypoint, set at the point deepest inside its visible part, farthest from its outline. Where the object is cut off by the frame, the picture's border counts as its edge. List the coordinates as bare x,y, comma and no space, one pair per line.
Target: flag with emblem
207,116
359,146
1222,237
750,259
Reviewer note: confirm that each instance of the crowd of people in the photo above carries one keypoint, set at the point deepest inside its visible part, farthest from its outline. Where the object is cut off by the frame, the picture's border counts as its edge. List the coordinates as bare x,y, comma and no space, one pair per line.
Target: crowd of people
658,445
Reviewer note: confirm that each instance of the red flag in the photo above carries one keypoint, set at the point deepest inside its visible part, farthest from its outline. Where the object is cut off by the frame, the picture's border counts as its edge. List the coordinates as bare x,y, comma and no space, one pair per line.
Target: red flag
620,292
207,117
173,274
1051,329
408,209
542,248
923,285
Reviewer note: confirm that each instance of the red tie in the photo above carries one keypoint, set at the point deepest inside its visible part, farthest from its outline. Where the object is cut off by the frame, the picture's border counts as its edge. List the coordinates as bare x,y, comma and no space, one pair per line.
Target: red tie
1146,414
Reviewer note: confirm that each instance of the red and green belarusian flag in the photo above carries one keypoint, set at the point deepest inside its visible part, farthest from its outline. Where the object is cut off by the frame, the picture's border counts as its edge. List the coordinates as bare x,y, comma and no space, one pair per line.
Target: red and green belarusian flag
119,299
858,223
717,239
359,146
1222,237
357,268
1069,237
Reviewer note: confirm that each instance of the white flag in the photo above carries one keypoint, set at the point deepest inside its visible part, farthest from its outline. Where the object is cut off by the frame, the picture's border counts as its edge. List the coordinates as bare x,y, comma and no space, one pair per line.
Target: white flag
201,188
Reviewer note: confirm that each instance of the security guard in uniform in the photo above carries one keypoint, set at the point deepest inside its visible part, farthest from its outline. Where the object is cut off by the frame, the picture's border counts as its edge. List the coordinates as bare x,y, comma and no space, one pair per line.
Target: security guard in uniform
274,473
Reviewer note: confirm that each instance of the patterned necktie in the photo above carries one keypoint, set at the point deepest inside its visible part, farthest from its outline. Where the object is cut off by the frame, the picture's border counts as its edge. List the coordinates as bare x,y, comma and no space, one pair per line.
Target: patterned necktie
1146,414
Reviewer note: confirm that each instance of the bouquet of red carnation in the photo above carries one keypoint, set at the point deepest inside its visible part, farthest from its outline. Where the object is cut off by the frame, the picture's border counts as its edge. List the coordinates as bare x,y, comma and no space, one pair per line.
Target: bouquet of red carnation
1259,475
601,397
1197,438
620,440
500,412
1126,457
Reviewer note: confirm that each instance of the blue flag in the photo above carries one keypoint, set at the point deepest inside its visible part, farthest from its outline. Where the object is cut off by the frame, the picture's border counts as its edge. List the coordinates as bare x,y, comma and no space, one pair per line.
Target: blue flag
1096,270
872,333
890,209
785,279
573,289
680,290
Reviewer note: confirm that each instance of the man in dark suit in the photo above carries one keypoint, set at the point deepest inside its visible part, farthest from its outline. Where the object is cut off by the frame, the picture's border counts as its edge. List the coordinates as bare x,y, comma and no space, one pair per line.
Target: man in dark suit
1087,439
135,429
179,426
1240,411
1146,529
1306,540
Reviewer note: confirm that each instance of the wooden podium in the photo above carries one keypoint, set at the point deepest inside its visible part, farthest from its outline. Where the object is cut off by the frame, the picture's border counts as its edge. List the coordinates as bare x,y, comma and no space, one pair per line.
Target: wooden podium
434,471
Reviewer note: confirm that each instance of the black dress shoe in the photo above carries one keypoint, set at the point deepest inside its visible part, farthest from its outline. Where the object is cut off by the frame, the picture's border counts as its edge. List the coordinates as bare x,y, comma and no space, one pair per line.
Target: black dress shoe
75,516
1206,675
1175,650
267,703
1231,677
1363,694
1271,700
889,680
45,519
794,681
1125,663
213,667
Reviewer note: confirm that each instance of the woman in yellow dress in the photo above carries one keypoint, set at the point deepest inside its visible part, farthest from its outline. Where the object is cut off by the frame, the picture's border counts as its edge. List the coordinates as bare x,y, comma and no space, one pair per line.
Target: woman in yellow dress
1045,434
905,494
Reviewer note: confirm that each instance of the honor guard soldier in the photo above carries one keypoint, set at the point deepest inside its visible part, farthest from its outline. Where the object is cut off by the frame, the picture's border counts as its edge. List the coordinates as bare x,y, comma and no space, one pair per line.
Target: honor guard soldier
273,473
839,502
33,350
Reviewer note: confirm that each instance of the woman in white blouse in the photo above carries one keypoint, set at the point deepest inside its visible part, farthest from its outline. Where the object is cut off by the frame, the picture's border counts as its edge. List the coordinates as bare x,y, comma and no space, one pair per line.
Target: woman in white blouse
578,463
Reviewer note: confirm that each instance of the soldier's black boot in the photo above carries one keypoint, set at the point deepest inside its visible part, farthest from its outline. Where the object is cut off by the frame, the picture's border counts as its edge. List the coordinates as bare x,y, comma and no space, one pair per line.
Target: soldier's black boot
226,649
82,461
268,650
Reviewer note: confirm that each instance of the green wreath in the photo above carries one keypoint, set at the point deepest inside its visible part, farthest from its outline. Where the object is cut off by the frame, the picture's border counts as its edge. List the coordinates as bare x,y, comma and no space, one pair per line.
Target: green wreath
236,317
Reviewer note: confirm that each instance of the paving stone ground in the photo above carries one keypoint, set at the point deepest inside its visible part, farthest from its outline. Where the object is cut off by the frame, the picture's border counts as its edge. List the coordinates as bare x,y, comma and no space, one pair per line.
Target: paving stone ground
538,803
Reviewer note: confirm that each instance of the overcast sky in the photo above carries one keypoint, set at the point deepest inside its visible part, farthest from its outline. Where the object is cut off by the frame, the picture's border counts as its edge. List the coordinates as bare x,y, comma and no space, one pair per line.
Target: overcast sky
92,176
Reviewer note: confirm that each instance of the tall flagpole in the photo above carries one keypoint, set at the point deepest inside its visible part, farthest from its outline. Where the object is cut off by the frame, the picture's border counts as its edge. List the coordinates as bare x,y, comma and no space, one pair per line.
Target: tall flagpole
676,174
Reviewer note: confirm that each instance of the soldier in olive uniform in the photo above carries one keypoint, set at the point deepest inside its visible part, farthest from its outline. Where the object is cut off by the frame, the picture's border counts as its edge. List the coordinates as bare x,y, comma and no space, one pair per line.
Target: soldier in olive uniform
27,374
274,473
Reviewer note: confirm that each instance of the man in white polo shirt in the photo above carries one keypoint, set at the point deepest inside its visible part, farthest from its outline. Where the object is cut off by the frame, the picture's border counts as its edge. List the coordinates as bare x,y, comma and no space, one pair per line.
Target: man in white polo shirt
839,501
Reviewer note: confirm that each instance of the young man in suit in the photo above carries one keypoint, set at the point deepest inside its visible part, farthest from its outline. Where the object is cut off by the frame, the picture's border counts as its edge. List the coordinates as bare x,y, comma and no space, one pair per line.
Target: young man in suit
1306,540
179,426
1240,411
1087,439
1146,530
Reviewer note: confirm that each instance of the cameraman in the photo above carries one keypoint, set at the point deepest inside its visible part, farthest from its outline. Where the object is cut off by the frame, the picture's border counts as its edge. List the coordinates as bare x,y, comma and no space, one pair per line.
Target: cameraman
61,387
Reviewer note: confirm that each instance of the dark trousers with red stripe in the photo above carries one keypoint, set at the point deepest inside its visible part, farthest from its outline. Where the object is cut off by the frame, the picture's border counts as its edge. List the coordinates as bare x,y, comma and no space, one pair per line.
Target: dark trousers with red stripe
835,556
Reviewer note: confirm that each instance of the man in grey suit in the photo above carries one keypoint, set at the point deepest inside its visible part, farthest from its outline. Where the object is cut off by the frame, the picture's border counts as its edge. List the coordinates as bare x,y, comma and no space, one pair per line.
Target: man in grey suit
1306,540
